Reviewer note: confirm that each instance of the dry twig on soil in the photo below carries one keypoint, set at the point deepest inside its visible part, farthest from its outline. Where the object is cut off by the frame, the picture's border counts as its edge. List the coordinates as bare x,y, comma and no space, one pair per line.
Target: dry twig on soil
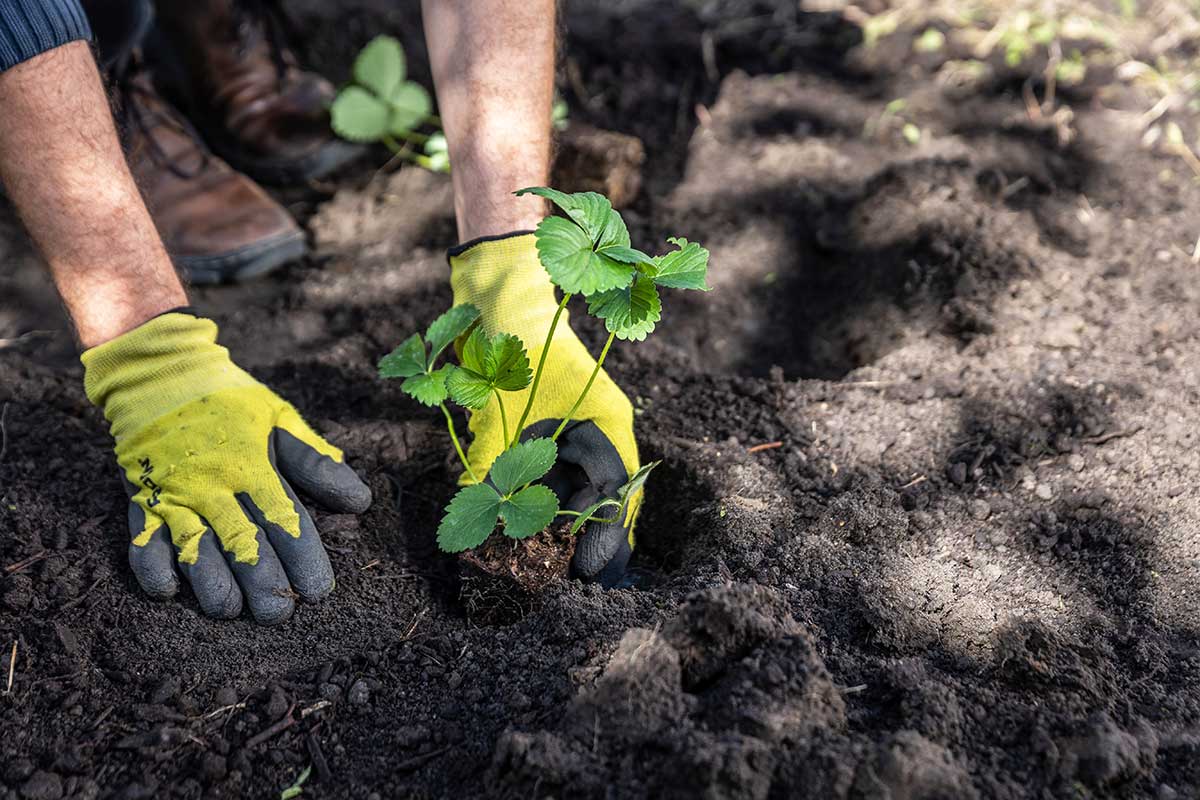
3,431
286,721
1104,438
67,606
24,563
416,761
12,666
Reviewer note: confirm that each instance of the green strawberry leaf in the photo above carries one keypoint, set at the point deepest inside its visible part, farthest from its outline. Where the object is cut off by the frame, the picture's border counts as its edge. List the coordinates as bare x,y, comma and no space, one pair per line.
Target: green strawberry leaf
631,486
593,254
625,493
566,252
475,350
410,107
380,65
497,362
448,327
629,312
469,389
358,115
406,360
428,388
595,215
613,235
626,255
528,511
561,199
470,518
507,364
685,268
586,515
522,463
590,211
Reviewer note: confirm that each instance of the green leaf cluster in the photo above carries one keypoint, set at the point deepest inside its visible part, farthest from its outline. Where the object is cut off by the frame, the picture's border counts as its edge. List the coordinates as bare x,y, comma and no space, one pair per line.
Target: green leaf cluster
588,252
416,358
380,103
508,497
488,365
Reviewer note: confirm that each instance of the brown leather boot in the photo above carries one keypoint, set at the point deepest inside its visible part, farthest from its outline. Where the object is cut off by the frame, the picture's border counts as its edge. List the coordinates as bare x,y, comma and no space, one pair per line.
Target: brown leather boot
217,224
229,71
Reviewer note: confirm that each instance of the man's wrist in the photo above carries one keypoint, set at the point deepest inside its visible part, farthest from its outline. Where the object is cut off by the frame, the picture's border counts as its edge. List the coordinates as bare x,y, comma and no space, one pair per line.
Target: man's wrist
521,216
103,319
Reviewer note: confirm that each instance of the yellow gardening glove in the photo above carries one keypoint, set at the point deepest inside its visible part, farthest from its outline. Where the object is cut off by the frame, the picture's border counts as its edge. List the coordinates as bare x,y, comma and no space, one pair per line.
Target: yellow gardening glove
210,456
597,453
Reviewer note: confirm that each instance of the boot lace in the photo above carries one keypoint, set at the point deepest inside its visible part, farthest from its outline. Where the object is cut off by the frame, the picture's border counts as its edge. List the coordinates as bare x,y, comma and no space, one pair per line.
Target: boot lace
140,108
267,19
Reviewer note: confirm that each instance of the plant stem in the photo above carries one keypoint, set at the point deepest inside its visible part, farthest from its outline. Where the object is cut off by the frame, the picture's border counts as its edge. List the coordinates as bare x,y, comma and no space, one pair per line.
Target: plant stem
537,376
503,416
457,446
412,137
405,153
586,388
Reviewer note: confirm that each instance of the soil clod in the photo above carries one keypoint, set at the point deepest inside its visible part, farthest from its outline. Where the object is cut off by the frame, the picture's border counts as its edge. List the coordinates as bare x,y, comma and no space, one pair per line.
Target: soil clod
504,578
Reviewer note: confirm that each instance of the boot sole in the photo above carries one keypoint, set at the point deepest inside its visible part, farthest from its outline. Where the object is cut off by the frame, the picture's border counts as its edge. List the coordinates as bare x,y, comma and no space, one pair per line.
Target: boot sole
252,261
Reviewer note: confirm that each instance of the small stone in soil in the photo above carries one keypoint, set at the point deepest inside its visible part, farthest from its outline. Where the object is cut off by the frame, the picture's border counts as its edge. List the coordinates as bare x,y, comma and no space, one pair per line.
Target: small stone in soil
359,694
980,509
42,786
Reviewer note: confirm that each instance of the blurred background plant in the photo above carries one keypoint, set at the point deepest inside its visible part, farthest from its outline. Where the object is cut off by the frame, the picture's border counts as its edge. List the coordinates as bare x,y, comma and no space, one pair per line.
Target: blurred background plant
1142,56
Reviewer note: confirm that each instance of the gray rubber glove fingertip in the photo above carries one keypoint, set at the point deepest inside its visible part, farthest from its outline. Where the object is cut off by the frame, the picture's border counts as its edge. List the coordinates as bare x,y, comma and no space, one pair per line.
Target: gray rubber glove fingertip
331,483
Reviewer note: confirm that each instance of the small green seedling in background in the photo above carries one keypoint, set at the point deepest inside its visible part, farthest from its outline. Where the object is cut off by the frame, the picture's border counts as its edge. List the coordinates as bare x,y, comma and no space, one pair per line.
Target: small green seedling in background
382,106
931,41
588,252
560,115
438,153
297,788
893,118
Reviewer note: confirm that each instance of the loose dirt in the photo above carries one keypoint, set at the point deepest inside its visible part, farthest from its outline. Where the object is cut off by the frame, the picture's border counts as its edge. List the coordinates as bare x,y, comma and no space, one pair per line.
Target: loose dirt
969,570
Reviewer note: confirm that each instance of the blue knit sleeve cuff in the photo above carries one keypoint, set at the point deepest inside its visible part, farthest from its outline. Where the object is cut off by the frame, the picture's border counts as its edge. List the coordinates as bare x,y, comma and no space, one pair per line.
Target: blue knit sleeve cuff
31,27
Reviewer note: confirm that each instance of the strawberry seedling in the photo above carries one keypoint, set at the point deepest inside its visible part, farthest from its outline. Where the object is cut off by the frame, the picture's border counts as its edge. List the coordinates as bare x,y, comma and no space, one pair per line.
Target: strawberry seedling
380,105
588,252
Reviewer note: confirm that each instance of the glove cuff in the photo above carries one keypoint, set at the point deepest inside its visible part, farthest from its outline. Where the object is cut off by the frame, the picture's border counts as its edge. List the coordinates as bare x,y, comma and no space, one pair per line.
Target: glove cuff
158,366
504,279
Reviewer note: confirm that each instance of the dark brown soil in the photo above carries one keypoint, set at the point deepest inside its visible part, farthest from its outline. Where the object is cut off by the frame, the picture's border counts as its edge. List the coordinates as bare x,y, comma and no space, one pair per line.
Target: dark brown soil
504,579
969,571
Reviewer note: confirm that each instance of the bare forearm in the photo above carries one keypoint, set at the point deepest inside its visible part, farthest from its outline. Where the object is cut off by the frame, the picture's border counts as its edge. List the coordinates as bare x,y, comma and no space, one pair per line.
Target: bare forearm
493,67
63,168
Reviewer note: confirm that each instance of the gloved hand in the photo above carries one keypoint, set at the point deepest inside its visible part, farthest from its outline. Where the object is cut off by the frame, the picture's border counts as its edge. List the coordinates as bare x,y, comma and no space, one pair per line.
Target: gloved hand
211,456
596,452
